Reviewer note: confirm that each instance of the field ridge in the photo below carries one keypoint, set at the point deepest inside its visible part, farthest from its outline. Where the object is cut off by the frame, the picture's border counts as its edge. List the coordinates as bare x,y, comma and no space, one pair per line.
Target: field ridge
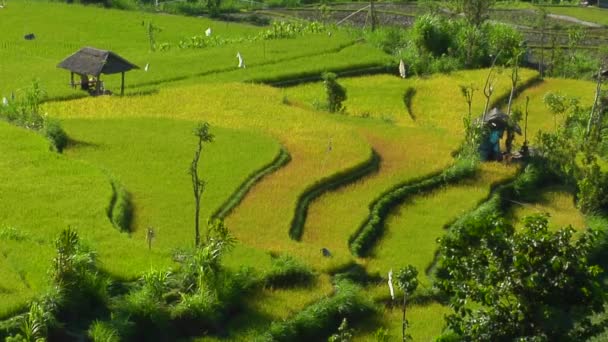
329,183
371,229
281,159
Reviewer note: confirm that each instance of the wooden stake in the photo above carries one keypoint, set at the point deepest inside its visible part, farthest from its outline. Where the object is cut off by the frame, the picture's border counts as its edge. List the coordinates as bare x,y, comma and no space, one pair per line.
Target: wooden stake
122,84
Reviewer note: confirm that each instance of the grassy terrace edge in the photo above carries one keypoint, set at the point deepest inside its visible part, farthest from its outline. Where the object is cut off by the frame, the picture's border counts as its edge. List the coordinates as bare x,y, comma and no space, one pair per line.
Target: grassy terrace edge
329,183
365,237
281,159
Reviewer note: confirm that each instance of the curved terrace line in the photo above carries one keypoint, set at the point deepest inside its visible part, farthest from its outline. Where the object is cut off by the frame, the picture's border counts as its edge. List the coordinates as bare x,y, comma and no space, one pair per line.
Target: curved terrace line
281,159
330,183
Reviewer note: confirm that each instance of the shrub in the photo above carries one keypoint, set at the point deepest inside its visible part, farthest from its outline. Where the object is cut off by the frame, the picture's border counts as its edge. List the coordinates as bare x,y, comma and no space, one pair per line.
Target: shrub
122,208
287,271
55,134
103,332
317,321
433,34
408,97
336,94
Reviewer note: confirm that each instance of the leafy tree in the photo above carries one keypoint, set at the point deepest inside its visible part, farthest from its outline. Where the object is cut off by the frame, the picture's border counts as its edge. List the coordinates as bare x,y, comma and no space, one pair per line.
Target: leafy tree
336,94
198,185
407,281
475,11
532,285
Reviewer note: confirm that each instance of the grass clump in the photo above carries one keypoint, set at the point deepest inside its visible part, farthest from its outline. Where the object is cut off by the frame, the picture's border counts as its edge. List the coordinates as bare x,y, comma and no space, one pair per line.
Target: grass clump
55,134
319,320
287,271
121,208
25,111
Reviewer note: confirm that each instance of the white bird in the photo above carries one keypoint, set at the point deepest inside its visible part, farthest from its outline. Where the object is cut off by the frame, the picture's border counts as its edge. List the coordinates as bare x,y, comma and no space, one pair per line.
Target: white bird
4,102
402,69
208,32
146,67
241,62
390,283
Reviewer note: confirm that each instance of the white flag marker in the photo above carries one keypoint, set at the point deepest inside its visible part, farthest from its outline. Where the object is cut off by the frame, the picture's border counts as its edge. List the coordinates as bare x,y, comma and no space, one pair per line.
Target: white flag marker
390,283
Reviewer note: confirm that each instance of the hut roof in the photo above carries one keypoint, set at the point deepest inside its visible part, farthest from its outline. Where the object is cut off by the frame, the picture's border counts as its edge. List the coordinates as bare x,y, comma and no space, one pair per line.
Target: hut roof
91,61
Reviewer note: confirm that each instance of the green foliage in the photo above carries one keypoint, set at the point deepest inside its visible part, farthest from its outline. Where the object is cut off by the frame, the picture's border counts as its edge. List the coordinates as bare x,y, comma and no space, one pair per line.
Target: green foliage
533,284
407,279
336,94
101,331
408,97
55,134
121,208
25,111
288,29
286,271
75,276
201,131
382,335
475,11
318,320
36,323
592,187
344,334
437,44
433,35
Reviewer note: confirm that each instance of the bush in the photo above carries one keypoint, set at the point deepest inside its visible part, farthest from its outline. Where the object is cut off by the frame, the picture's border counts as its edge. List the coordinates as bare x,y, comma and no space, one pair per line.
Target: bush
103,332
317,321
336,94
122,208
286,271
408,97
433,34
55,134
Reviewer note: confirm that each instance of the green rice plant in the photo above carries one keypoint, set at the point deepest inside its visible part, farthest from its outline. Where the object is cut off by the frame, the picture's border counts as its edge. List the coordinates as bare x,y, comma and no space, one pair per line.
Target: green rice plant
320,319
286,271
126,35
224,210
332,182
303,133
362,241
412,228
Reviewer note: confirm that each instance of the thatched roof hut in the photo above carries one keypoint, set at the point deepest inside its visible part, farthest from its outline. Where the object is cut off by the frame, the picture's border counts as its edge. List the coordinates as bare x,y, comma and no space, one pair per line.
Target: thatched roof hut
90,61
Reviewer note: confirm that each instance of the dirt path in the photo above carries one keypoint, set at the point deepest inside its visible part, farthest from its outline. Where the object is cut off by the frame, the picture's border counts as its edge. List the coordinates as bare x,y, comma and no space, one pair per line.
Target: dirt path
574,20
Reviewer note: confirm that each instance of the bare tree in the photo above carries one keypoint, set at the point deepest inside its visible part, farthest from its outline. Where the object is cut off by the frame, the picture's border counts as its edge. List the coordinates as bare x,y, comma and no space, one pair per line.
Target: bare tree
514,80
198,185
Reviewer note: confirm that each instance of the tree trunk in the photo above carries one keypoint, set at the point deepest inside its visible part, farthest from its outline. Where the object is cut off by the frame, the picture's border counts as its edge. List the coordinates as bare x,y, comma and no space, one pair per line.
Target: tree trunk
598,91
403,322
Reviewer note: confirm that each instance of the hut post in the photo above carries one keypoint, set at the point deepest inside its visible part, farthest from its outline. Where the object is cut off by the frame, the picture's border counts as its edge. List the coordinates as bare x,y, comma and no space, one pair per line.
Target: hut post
72,80
98,85
122,84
